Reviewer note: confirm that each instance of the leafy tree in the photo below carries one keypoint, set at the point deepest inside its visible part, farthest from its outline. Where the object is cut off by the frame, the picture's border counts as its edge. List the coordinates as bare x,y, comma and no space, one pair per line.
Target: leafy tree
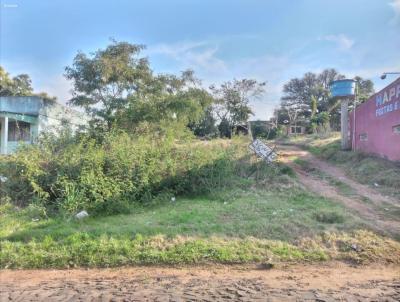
262,129
20,85
233,102
206,126
117,86
365,88
224,128
314,108
167,99
104,80
311,86
320,122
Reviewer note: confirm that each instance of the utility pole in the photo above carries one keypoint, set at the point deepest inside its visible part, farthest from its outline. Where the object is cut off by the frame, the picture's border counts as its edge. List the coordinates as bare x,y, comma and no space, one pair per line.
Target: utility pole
345,123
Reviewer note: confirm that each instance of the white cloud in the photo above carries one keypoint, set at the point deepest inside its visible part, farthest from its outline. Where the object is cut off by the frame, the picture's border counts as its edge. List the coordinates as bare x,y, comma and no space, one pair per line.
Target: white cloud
395,4
202,57
342,41
195,55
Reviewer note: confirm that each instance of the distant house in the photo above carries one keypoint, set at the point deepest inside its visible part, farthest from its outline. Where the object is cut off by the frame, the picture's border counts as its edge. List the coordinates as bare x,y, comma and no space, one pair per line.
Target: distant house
23,118
299,128
295,130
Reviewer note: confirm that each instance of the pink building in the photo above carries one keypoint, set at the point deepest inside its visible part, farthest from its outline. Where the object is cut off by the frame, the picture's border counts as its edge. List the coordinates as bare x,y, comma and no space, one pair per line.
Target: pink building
377,126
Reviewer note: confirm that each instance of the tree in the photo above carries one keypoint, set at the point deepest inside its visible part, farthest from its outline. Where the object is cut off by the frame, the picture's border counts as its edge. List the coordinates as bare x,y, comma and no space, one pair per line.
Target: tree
224,128
300,94
232,100
314,104
206,126
20,85
311,86
105,80
166,99
320,122
365,88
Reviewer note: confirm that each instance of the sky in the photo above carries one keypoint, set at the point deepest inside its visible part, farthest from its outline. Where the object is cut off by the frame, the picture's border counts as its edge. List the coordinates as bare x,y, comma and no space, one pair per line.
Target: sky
268,40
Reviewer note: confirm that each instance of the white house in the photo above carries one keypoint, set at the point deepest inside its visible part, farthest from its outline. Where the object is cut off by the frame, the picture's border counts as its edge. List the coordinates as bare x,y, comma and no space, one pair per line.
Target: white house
23,118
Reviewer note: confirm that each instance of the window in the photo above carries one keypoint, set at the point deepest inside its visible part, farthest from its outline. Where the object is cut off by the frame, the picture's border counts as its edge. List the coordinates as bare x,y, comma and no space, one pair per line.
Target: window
396,129
19,131
295,130
363,137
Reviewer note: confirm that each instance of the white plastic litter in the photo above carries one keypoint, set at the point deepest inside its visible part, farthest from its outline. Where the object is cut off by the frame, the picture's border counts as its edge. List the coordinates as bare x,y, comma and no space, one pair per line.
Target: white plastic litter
3,178
82,215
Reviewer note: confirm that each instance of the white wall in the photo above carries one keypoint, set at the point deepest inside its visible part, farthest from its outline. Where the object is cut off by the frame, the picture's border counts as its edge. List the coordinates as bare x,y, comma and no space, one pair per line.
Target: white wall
53,116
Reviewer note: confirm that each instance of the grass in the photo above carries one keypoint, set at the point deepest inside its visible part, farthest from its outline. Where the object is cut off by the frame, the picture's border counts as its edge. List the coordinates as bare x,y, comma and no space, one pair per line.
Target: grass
264,216
255,225
278,214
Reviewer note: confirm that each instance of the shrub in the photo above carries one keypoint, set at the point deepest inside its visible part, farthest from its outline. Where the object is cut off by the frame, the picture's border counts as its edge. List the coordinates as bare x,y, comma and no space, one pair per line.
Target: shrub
69,175
329,217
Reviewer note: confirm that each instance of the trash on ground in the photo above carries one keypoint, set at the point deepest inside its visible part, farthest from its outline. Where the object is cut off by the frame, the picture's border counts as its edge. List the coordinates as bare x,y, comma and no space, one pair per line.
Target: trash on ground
81,215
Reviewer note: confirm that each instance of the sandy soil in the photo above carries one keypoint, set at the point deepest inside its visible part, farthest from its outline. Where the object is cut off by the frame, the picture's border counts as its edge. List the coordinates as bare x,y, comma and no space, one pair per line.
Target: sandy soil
328,282
371,211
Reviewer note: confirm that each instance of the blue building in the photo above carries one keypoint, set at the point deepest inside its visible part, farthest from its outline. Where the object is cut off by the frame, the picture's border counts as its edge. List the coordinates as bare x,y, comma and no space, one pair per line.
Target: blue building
23,118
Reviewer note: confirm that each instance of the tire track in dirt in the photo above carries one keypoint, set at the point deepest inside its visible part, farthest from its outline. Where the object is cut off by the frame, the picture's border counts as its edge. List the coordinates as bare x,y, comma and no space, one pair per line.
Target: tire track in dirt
369,212
330,282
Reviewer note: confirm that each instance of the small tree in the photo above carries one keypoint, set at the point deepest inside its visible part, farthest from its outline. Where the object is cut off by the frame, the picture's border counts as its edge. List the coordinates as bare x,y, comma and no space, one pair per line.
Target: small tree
233,102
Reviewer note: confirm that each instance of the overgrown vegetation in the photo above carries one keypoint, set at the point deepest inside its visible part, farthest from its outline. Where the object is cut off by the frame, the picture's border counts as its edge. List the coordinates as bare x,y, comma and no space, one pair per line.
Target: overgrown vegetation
69,174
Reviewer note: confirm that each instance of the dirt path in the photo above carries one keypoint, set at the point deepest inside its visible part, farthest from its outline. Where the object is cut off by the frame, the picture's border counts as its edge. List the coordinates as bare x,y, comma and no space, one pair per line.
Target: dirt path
330,282
373,211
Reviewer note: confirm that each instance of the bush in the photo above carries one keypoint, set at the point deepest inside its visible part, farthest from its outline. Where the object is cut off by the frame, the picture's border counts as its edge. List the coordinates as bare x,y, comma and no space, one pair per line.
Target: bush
69,175
329,217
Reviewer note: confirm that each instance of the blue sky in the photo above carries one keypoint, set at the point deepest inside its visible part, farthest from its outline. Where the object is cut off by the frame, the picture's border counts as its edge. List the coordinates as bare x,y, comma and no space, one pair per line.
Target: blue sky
270,40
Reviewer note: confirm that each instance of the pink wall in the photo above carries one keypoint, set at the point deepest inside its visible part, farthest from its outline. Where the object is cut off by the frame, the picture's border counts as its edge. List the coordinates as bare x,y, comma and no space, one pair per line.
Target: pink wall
376,122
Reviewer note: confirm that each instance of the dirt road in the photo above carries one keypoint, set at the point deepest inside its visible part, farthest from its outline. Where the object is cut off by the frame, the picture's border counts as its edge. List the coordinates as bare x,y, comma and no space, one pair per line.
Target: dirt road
364,201
329,282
